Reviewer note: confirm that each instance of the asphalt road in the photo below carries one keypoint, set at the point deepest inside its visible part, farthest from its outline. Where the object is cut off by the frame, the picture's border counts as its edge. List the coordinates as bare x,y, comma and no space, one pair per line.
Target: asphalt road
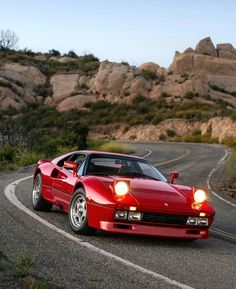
122,261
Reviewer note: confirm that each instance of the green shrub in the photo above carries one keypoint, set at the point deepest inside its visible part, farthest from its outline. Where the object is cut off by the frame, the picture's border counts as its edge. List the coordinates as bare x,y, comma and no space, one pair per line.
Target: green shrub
89,58
162,137
198,139
22,266
44,89
231,166
165,94
218,88
138,99
190,95
170,133
149,75
28,158
109,146
230,142
72,54
233,93
54,52
7,154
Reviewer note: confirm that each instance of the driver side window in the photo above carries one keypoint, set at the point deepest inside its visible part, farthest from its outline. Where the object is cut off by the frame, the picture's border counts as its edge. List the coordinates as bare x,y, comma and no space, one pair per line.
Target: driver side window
80,159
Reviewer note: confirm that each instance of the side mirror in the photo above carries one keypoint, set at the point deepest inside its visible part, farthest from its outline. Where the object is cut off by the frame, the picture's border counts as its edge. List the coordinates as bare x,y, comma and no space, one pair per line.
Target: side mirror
173,176
71,166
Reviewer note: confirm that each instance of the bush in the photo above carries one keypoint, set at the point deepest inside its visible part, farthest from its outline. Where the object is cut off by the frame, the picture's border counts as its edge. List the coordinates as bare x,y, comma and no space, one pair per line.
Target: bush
28,158
89,58
170,133
148,75
190,95
198,139
7,154
72,54
231,167
44,89
218,88
165,94
162,137
230,142
54,52
102,145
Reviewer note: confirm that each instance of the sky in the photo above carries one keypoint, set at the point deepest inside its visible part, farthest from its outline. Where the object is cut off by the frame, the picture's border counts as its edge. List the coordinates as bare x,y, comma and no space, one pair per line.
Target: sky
135,31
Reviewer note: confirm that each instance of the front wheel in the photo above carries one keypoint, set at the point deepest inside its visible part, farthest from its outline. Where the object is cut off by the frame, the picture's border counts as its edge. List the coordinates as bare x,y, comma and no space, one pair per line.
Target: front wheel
78,214
38,202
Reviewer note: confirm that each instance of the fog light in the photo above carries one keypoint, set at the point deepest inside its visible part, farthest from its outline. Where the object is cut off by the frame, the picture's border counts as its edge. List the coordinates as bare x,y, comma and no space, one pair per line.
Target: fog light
121,215
192,221
134,216
202,221
197,221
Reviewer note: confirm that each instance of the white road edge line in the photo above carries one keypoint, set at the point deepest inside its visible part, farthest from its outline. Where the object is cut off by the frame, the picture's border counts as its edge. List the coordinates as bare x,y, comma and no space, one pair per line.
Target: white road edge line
11,196
149,152
210,175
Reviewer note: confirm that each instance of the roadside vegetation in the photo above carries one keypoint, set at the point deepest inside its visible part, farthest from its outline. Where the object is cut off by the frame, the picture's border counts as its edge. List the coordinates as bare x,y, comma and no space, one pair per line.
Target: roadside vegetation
144,110
18,273
231,164
39,132
87,64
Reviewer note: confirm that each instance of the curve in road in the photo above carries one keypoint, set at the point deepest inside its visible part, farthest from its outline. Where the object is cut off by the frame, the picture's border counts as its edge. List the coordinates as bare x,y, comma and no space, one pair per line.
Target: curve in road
164,261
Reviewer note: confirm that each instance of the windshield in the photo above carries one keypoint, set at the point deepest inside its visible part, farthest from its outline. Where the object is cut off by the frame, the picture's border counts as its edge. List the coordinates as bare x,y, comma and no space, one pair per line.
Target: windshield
122,166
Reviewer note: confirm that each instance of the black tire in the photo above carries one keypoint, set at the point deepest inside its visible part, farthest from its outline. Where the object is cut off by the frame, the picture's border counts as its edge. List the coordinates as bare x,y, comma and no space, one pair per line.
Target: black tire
78,214
38,202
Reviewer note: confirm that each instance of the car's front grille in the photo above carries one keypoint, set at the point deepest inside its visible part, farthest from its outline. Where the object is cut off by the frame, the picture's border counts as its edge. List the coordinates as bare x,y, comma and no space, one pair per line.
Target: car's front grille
164,218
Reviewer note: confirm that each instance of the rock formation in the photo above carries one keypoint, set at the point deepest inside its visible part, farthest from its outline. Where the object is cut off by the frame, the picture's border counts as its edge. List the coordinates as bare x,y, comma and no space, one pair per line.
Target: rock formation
206,47
206,73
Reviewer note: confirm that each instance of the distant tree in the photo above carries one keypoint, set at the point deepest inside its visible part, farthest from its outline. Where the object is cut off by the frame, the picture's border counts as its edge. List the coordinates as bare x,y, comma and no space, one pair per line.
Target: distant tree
54,52
72,54
89,58
8,39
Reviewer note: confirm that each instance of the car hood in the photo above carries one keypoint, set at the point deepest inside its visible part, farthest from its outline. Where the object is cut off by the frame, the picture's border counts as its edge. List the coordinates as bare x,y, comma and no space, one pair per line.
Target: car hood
151,194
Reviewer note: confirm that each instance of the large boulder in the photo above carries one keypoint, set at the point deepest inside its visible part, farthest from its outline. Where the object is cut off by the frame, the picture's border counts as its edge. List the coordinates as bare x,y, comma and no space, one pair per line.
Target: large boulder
110,79
9,99
75,102
183,63
18,88
149,66
206,47
189,62
226,50
219,127
64,85
189,50
32,73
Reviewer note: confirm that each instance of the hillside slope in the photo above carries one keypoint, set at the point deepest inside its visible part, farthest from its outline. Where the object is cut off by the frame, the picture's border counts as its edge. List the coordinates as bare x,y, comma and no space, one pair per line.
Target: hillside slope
199,86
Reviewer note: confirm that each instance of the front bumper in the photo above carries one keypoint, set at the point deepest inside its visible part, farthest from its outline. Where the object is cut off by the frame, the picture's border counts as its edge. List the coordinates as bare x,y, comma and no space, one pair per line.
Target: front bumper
158,231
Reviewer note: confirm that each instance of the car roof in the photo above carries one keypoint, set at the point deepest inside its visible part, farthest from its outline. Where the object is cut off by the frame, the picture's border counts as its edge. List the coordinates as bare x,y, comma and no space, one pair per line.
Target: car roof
91,152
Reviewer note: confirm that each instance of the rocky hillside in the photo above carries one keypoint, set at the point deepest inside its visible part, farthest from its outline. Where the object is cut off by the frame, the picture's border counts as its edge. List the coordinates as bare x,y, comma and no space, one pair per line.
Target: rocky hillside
206,75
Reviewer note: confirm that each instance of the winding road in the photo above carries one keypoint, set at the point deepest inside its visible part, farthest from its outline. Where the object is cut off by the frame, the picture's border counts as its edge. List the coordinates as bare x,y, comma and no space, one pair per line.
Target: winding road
121,261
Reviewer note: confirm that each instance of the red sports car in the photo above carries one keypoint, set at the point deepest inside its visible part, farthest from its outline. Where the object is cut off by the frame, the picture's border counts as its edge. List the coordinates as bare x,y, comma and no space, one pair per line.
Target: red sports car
122,194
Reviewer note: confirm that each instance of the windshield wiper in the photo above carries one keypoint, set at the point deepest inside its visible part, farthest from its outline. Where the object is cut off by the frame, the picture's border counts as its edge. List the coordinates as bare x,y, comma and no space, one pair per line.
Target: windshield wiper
134,174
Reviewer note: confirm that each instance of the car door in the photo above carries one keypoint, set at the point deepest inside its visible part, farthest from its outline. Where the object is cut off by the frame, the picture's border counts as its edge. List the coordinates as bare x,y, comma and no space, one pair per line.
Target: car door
64,182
